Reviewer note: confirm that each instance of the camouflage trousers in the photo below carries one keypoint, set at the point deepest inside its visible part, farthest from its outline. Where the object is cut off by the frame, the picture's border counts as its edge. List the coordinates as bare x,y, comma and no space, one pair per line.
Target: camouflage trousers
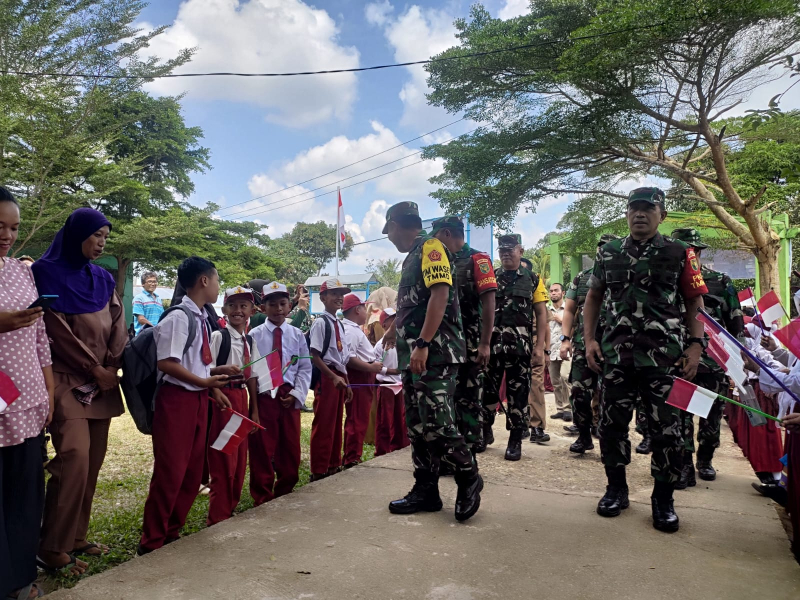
585,409
622,386
517,370
468,402
708,431
431,420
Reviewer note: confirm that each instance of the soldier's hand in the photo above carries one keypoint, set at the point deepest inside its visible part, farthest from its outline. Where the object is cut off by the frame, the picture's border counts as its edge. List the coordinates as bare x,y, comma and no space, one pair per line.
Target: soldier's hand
769,343
565,352
419,360
594,356
484,352
689,361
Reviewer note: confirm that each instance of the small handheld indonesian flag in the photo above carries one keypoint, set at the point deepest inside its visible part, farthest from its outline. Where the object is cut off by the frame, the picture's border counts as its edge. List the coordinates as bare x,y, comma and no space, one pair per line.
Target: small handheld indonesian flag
8,391
395,387
770,308
691,398
273,374
746,297
233,433
789,336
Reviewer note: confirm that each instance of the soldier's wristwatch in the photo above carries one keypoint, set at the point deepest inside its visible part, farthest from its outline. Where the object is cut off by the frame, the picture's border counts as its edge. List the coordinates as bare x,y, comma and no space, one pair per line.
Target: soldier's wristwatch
702,341
420,343
565,338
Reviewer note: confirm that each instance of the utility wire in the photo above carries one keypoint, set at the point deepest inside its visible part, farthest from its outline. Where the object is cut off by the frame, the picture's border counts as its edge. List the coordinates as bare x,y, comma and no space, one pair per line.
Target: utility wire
345,166
331,71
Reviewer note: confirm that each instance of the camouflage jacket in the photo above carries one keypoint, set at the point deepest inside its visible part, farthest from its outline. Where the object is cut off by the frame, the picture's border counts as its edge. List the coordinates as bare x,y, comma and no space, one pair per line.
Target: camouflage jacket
577,293
474,277
517,291
645,284
427,264
722,303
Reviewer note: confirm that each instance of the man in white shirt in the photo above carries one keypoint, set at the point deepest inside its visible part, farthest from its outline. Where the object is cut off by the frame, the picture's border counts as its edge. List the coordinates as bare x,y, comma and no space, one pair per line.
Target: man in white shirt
559,369
275,451
361,370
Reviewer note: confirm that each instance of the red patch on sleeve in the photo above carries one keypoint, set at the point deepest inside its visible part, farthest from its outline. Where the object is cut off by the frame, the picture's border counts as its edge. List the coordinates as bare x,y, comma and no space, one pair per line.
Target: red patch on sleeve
484,273
692,284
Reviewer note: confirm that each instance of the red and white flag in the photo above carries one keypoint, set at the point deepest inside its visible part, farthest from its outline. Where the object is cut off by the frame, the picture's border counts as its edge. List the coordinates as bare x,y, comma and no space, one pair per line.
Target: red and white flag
234,433
789,336
395,387
691,398
8,391
746,297
730,361
270,371
770,308
340,222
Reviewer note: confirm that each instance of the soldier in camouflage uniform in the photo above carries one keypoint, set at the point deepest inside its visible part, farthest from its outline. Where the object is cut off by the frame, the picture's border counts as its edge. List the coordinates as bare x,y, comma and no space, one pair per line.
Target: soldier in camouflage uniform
520,294
722,303
476,297
643,280
584,381
430,350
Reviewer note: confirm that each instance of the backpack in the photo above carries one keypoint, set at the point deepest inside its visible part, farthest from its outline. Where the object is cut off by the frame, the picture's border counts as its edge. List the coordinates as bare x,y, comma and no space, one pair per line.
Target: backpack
225,347
140,381
316,374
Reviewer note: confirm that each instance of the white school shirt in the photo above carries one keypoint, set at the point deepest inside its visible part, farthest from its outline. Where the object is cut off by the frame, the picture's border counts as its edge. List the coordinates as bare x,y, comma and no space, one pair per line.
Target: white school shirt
170,336
390,362
236,356
333,357
791,380
293,343
358,341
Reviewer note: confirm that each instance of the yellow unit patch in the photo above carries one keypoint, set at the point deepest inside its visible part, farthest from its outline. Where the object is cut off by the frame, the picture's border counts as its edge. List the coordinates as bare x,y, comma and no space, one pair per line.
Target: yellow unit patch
435,266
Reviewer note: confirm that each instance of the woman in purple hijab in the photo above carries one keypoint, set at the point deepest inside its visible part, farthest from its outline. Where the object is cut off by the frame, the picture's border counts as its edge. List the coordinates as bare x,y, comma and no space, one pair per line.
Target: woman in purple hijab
86,326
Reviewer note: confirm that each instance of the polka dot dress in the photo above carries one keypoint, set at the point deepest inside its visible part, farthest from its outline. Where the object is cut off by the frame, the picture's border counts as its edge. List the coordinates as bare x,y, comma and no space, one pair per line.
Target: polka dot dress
23,353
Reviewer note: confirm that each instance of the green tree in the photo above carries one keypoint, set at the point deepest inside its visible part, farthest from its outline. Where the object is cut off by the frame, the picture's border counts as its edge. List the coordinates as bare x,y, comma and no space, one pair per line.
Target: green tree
317,242
605,92
387,272
297,268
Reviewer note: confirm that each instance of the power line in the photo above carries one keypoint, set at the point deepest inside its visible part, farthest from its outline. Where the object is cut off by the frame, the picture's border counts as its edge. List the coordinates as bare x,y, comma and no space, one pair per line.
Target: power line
332,71
346,166
370,241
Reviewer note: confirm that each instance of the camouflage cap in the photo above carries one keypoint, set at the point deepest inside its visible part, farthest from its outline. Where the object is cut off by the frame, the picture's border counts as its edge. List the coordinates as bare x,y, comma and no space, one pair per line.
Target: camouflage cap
509,240
448,222
689,236
605,238
399,210
653,195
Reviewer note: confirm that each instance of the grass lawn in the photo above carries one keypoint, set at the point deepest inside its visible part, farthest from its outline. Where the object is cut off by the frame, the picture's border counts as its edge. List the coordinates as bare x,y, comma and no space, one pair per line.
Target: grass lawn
122,490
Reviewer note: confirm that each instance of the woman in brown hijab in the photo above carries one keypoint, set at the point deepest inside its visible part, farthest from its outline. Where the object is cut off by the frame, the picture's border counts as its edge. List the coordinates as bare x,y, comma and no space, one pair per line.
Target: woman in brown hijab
86,326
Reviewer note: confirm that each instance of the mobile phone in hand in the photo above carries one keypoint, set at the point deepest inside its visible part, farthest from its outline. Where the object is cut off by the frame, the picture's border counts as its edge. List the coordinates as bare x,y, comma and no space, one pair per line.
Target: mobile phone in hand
45,301
238,377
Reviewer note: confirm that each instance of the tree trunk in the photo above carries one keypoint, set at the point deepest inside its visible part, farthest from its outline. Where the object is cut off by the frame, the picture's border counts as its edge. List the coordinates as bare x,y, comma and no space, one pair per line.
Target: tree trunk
122,272
768,272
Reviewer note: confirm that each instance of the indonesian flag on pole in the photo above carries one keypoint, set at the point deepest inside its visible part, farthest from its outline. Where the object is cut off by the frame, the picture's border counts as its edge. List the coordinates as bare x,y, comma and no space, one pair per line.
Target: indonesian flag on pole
274,372
236,430
340,222
789,336
731,362
8,391
395,387
746,297
691,398
770,308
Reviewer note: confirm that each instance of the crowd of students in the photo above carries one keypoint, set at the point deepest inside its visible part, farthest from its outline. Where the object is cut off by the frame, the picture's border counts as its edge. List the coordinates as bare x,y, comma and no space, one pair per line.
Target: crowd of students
64,359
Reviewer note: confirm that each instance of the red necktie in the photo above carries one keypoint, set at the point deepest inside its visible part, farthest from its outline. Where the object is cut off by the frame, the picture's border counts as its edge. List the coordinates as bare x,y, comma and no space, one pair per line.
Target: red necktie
206,350
277,343
338,336
248,370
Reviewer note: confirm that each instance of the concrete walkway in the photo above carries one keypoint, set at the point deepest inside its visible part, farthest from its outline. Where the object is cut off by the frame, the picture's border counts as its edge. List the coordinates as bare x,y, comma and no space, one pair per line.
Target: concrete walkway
536,536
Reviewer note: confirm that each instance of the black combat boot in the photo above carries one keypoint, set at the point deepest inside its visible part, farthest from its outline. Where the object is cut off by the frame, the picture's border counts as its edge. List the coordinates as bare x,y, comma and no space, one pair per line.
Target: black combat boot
468,497
664,517
446,469
572,429
514,449
705,470
424,496
615,499
646,447
687,478
488,434
525,434
583,443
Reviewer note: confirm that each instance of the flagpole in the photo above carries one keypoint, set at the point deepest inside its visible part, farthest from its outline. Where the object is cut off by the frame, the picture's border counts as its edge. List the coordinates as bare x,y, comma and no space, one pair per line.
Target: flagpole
749,408
339,199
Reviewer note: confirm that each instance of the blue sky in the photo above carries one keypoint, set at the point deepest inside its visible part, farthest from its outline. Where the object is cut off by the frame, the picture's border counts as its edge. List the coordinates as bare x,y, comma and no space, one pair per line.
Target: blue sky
269,133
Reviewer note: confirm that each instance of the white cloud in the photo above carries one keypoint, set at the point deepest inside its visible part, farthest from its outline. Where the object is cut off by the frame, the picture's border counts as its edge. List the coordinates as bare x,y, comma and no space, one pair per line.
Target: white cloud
261,36
514,8
415,34
377,13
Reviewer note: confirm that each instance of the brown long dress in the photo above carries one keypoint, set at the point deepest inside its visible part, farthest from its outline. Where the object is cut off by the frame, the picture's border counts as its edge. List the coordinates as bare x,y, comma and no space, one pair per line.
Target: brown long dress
79,431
